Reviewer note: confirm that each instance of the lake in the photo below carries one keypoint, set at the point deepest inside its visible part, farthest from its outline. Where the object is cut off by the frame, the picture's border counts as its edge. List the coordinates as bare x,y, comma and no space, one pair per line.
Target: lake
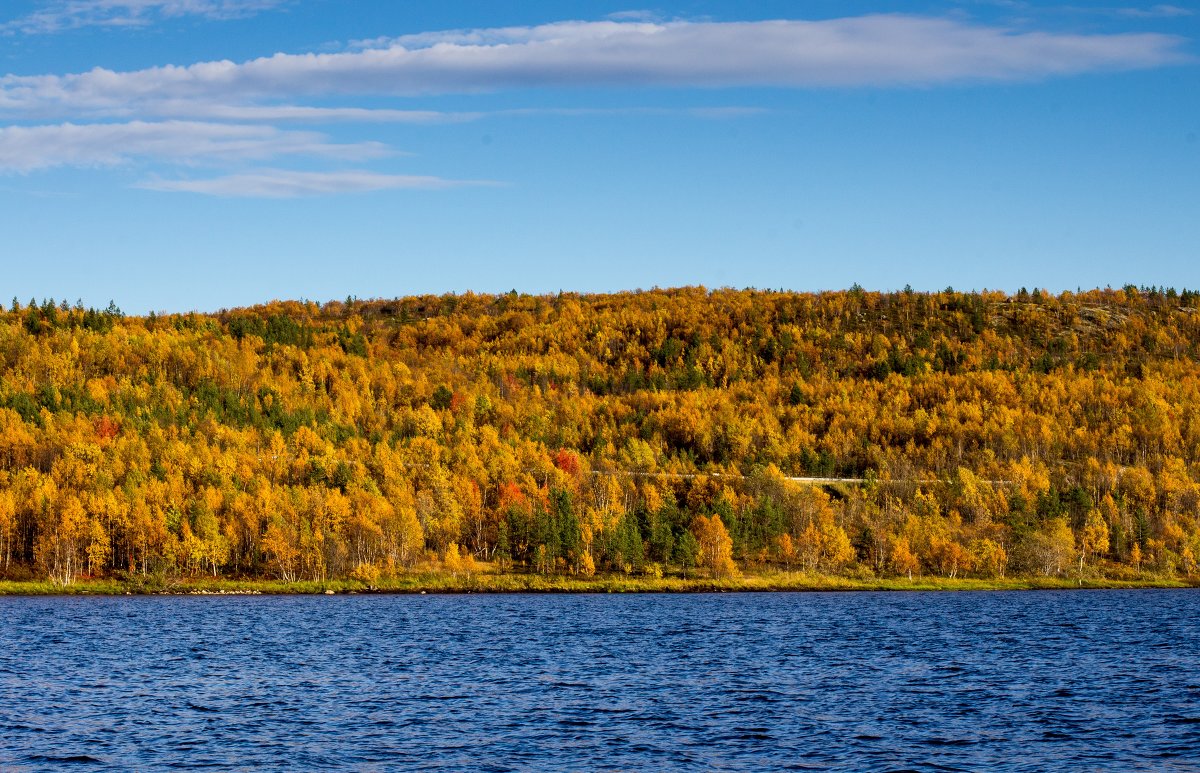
1075,680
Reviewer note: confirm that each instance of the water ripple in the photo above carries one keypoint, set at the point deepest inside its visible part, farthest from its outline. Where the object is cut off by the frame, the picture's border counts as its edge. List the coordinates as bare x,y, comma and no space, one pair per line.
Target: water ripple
925,682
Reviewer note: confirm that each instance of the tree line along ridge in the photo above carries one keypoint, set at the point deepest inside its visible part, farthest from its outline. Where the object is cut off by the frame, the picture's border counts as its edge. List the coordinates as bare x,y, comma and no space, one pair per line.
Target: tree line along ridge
633,433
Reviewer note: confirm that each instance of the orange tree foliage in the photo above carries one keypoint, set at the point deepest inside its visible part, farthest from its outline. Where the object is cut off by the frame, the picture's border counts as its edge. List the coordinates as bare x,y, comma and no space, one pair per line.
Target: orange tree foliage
994,434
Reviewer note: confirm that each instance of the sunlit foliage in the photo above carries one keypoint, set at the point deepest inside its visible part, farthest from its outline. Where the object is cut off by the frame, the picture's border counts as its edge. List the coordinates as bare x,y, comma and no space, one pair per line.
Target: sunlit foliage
629,433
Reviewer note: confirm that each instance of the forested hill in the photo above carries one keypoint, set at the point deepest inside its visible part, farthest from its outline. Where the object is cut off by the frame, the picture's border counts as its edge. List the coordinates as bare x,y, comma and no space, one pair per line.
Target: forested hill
1029,434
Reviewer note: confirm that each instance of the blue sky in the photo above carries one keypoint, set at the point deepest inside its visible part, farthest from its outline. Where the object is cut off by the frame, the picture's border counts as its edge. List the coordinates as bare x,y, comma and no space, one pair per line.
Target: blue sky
200,154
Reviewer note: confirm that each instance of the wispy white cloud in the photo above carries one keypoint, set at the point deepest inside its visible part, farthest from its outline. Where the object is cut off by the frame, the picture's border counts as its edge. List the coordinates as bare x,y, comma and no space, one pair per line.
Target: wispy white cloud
1028,11
310,114
225,112
28,148
306,113
73,14
635,15
284,183
880,50
1160,11
714,113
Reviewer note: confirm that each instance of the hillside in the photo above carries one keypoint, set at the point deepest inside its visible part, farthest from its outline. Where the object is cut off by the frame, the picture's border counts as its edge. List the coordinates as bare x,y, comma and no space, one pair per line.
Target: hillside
634,433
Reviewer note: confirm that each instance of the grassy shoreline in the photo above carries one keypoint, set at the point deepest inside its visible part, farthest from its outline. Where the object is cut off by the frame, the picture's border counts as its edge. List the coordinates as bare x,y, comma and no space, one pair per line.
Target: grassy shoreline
504,582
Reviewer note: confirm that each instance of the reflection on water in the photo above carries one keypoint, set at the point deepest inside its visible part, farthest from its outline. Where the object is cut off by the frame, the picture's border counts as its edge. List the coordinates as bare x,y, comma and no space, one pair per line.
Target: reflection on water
952,681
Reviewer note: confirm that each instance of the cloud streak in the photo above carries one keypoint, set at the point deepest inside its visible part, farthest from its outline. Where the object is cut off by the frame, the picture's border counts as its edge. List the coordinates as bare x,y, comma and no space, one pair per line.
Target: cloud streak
308,114
1160,11
286,184
28,148
74,14
878,50
226,113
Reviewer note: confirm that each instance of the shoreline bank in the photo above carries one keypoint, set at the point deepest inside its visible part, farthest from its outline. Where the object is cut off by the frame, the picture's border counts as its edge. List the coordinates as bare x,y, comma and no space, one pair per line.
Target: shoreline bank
499,583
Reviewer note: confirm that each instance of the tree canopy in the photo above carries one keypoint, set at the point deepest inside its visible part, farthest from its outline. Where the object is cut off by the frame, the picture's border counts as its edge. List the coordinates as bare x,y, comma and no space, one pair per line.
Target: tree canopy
574,433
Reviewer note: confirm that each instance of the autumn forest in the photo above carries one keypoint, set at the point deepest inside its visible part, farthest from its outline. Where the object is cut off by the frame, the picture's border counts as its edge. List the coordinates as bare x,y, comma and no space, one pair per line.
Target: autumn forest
659,433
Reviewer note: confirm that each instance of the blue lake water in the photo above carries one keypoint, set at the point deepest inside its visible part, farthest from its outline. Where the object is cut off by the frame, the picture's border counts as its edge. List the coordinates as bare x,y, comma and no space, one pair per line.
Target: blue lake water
1034,681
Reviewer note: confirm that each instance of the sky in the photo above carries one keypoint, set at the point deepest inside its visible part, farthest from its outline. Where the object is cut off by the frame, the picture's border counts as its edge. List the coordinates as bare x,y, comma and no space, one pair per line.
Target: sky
176,155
